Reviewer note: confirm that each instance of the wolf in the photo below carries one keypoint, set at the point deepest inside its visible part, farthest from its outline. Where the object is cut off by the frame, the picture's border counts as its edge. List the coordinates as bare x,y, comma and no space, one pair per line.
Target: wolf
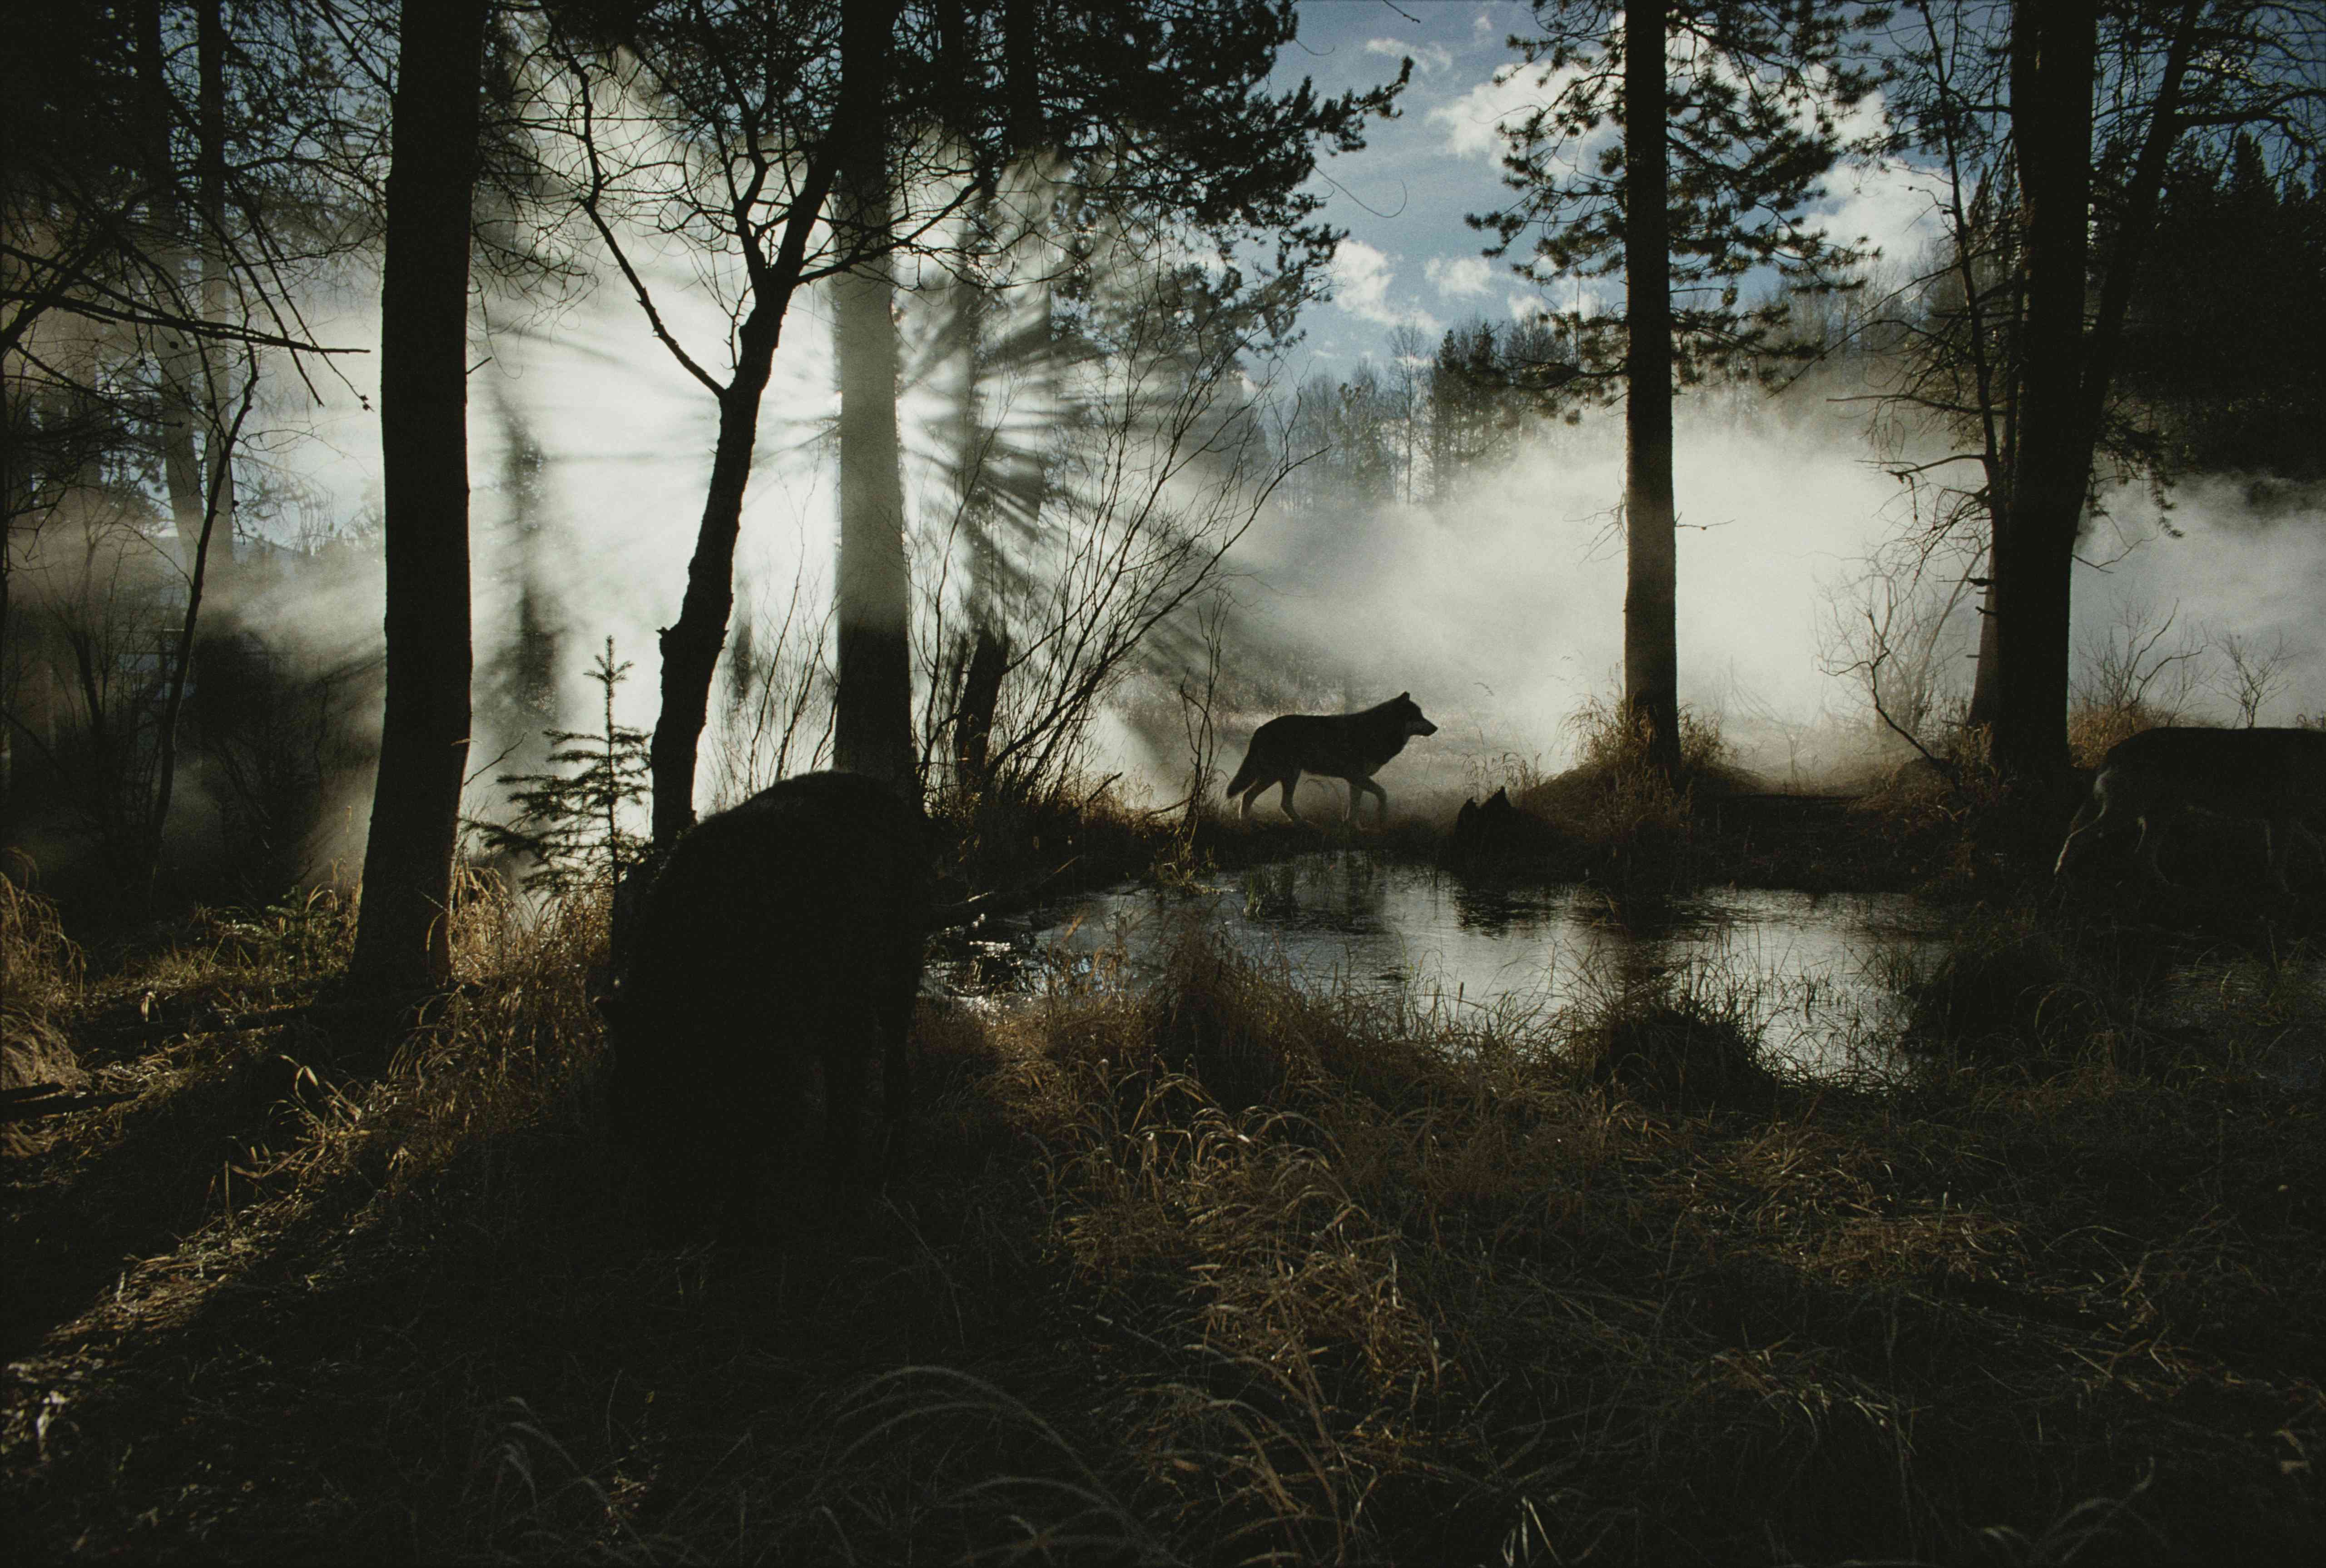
1337,745
2278,776
785,931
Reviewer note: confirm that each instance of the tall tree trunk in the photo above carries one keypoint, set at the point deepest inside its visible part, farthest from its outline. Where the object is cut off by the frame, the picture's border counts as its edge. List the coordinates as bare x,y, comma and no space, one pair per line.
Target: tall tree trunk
11,506
219,393
981,695
2054,60
872,728
1012,479
2054,70
1650,649
1985,695
692,643
403,937
872,723
517,686
165,764
176,355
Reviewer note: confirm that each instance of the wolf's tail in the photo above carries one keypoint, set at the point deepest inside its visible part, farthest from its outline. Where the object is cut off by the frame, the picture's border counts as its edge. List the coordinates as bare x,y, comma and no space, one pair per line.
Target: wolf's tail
1245,777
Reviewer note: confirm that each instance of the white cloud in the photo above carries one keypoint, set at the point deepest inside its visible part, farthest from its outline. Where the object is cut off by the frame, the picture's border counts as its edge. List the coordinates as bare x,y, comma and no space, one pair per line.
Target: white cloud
1593,296
1428,58
1362,275
1894,206
1473,121
1458,275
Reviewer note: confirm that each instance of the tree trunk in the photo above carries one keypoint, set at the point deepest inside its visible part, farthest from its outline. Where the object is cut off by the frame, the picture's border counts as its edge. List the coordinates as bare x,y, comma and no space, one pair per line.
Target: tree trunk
1009,481
217,392
872,725
981,694
1650,650
165,764
2054,51
1985,698
691,645
2054,68
175,354
872,729
403,937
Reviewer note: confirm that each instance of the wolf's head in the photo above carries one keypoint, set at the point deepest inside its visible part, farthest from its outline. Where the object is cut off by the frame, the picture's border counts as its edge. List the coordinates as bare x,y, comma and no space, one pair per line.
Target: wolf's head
1410,716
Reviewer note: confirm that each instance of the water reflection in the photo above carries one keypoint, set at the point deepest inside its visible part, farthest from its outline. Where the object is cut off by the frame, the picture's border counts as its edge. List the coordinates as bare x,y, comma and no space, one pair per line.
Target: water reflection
1816,975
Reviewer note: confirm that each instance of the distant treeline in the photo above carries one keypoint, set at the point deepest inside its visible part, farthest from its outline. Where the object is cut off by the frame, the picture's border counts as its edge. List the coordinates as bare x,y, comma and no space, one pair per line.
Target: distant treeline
2223,368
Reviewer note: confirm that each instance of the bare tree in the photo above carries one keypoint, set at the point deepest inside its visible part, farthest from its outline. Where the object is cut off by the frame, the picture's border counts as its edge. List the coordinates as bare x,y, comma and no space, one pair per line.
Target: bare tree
776,716
1893,632
1166,474
2137,665
724,128
2055,126
2257,672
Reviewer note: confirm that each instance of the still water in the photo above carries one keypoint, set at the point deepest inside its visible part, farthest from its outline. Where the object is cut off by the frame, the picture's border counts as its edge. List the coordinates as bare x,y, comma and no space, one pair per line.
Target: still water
1814,975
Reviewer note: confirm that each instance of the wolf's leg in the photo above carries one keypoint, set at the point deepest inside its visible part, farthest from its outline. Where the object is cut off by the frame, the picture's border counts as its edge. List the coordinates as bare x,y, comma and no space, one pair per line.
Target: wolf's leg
1251,795
1292,782
2279,832
1358,790
2086,819
2151,840
2318,850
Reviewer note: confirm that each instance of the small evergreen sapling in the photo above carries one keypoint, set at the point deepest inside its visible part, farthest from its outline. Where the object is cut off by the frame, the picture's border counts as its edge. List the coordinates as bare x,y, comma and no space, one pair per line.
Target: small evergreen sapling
570,825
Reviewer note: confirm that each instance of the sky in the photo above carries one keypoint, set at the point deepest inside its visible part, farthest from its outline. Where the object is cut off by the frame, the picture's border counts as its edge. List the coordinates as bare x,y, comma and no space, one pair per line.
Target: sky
1409,257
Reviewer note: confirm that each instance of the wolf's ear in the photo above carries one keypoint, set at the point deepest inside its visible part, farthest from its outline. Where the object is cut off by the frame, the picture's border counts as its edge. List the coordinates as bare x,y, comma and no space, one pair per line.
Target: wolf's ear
1405,696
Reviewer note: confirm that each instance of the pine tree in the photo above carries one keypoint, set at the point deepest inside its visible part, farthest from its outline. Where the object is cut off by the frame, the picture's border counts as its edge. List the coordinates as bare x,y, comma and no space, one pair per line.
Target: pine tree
1680,146
570,825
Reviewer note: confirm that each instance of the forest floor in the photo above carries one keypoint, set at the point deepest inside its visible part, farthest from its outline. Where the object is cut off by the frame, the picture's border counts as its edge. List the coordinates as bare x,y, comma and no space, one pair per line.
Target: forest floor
1205,1269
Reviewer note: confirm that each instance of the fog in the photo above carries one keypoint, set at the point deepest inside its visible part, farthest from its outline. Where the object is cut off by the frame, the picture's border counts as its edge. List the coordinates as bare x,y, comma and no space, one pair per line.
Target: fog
1499,609
1502,611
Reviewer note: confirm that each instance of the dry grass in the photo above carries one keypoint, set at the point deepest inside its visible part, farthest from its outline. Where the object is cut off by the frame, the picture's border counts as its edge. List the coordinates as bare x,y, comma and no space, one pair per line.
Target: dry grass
40,973
2092,731
1211,1270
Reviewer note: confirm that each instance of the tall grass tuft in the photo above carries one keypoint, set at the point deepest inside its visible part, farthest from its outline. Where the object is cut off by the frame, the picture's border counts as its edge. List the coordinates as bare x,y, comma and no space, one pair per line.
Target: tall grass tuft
41,971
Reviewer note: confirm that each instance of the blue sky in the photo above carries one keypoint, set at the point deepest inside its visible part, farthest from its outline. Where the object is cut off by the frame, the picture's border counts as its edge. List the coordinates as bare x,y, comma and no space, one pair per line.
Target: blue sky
1409,257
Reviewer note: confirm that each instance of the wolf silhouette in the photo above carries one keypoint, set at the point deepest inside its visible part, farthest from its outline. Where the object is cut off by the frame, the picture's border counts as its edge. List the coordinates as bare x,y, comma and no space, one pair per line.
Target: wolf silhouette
1348,746
2276,776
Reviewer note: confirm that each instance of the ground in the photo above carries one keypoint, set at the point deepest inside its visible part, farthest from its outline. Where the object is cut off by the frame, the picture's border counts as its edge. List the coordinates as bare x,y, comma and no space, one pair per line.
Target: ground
1208,1270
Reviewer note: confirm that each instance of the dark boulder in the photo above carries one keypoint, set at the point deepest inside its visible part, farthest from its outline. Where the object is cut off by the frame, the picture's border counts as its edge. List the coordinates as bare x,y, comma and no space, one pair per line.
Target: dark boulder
786,931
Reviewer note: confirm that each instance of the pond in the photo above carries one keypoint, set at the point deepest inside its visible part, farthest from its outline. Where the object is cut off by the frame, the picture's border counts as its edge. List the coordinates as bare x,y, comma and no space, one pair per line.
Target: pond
1816,975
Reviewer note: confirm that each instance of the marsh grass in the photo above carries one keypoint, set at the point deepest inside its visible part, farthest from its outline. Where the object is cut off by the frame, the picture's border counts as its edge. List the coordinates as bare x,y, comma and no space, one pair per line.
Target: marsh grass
1210,1269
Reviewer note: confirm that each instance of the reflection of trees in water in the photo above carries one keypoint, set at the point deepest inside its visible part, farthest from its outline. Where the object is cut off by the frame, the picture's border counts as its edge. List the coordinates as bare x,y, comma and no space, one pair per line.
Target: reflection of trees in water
1334,890
1805,978
1627,955
1492,911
